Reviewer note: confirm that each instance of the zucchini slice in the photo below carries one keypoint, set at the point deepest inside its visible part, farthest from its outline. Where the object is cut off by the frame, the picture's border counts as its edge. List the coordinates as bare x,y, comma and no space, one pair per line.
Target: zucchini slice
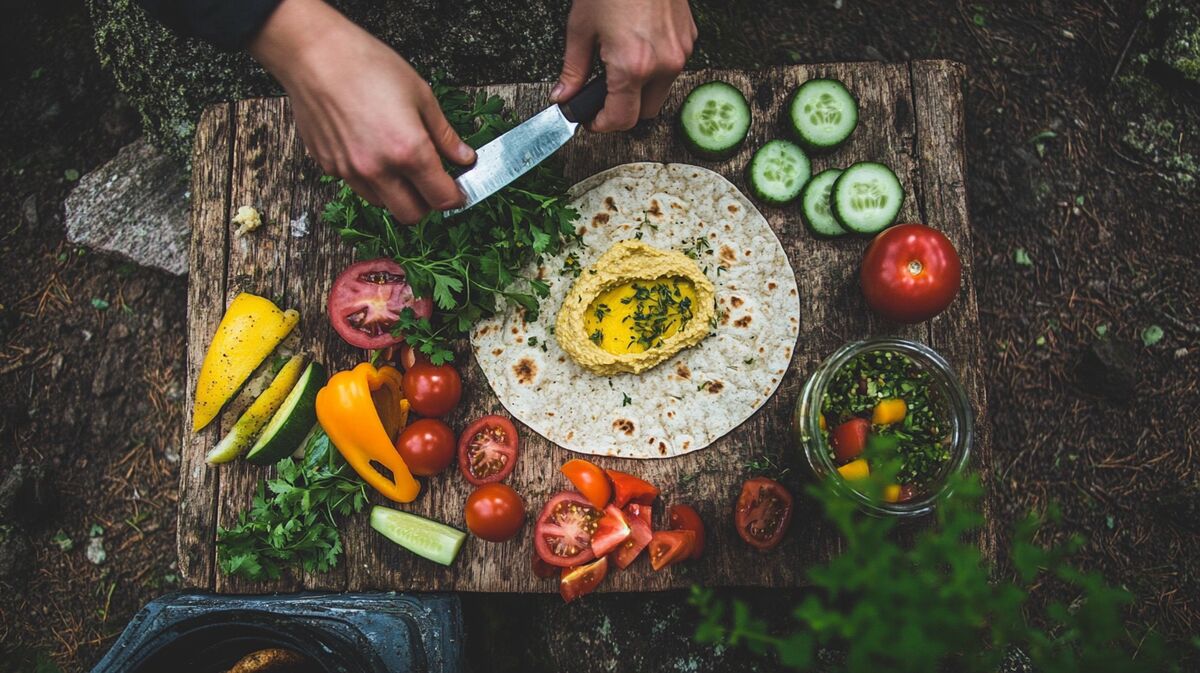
293,420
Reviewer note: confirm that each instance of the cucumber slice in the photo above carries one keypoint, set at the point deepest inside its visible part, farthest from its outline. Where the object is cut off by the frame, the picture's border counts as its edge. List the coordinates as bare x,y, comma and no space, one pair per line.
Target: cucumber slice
823,113
246,429
293,420
715,118
778,171
815,208
428,539
867,197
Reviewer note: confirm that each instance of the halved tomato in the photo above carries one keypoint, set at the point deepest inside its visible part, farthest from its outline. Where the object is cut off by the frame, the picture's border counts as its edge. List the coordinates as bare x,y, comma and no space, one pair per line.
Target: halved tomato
764,510
612,530
487,450
685,517
628,488
639,536
668,547
850,439
638,511
366,301
542,569
563,533
589,480
576,582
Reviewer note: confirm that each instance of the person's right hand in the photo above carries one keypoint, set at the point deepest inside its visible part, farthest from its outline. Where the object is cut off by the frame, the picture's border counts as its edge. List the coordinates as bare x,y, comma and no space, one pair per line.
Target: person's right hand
363,113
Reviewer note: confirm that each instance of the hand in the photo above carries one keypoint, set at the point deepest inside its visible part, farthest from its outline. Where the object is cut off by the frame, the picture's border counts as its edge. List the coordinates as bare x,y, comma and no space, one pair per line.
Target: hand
363,113
643,44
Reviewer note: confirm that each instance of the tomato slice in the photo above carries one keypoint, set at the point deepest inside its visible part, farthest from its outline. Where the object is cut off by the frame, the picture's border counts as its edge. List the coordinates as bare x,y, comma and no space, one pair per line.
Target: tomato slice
589,480
563,533
668,547
764,510
685,517
639,537
576,582
628,488
542,569
637,511
366,301
849,439
611,531
487,450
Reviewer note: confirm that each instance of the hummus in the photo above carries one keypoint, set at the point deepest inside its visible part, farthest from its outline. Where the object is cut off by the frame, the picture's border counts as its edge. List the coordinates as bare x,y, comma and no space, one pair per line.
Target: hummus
634,308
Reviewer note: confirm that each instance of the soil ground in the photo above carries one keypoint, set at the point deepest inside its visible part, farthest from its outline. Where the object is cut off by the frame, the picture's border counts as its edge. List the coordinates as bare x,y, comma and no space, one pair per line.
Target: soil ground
1086,238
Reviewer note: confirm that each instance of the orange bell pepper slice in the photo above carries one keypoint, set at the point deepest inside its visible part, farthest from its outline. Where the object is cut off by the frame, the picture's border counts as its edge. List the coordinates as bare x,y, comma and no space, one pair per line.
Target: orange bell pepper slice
363,411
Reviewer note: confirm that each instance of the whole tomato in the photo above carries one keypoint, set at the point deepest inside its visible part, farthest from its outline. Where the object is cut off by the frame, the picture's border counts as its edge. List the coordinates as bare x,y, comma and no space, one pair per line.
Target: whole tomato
910,273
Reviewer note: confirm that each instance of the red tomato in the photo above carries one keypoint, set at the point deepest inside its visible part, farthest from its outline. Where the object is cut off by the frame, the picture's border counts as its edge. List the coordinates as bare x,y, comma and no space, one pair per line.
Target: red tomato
910,273
684,517
427,446
849,439
589,480
495,512
639,536
643,512
611,531
366,301
576,582
542,569
487,450
563,533
764,510
668,547
628,488
432,390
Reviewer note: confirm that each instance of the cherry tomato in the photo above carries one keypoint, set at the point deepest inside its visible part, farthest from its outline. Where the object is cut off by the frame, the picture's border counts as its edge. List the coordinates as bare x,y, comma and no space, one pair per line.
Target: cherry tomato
611,531
668,547
432,390
910,273
487,450
639,537
628,488
849,439
542,569
495,512
576,582
563,533
589,480
427,446
764,510
366,301
684,517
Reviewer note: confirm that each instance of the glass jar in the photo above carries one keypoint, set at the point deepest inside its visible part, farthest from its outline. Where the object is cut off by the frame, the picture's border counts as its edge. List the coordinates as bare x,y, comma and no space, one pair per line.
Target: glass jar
955,406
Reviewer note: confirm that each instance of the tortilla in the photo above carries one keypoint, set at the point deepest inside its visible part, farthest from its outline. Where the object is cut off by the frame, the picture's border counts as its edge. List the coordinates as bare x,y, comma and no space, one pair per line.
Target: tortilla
692,399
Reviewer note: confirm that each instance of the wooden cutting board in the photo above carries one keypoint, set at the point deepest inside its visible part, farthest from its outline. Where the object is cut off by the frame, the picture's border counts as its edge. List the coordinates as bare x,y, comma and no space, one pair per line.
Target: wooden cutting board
248,153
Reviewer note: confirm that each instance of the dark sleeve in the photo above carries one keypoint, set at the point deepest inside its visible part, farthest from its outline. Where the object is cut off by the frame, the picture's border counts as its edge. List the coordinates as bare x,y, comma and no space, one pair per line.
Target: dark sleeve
227,24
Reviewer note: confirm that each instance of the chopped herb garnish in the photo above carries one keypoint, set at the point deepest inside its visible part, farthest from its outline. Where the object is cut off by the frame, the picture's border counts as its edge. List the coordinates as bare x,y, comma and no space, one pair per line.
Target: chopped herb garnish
533,341
597,337
626,400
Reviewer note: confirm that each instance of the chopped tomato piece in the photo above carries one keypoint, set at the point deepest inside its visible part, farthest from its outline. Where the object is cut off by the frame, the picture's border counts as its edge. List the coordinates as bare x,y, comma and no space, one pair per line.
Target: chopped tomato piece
850,438
543,569
684,517
668,547
764,510
589,480
582,580
639,536
611,531
563,533
644,512
628,488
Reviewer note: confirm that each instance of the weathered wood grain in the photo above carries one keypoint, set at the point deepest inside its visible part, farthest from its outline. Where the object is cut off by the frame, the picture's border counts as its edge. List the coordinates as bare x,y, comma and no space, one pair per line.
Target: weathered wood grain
832,312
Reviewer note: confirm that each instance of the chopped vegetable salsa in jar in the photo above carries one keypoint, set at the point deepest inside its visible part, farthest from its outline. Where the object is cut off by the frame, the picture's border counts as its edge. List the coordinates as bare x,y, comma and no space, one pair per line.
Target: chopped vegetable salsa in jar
882,408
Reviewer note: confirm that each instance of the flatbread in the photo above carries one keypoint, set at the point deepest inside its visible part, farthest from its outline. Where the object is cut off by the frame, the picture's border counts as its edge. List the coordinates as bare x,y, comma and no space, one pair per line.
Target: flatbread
692,399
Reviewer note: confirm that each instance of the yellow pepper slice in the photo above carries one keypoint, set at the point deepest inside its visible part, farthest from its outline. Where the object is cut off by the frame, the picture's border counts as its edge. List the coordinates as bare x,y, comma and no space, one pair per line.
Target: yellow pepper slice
249,332
855,470
889,411
362,410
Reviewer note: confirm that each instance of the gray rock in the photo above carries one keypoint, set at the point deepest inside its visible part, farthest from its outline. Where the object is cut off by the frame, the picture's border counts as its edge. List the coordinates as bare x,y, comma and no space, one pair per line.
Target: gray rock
135,206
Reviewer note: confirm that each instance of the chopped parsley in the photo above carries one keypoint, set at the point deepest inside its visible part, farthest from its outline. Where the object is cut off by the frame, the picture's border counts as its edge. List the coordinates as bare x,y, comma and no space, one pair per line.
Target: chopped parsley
658,306
597,337
626,400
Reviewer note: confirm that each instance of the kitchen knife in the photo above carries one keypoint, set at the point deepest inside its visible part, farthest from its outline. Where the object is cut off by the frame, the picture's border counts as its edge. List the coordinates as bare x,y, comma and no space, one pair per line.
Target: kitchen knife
524,146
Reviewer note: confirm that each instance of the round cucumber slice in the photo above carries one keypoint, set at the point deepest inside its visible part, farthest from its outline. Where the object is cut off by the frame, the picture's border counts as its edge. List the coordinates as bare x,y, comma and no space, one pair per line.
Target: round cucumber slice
867,198
815,208
293,420
425,538
715,118
778,171
823,113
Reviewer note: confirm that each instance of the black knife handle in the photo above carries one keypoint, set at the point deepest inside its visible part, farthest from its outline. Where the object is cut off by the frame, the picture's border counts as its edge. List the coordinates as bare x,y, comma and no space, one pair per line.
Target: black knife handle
585,105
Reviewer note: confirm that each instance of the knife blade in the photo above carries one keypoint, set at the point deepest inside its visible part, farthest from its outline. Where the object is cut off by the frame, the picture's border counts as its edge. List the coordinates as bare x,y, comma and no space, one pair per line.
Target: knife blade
526,145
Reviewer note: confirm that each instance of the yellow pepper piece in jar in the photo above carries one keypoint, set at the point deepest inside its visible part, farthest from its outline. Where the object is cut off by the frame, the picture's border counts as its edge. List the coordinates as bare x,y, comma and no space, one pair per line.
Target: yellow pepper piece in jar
855,470
891,493
889,411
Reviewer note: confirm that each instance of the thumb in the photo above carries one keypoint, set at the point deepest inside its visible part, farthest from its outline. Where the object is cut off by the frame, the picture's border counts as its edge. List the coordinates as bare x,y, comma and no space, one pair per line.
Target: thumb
577,63
444,137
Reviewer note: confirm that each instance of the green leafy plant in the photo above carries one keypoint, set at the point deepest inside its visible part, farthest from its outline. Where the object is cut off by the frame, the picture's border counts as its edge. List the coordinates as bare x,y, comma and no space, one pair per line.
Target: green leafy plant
293,520
472,261
934,606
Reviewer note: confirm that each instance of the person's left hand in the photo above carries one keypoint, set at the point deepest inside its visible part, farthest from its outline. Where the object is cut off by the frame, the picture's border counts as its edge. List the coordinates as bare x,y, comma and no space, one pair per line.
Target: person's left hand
643,44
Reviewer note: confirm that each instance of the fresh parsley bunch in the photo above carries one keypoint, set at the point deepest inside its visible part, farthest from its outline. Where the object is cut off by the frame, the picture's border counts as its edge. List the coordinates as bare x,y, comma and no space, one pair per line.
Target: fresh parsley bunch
292,522
470,262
